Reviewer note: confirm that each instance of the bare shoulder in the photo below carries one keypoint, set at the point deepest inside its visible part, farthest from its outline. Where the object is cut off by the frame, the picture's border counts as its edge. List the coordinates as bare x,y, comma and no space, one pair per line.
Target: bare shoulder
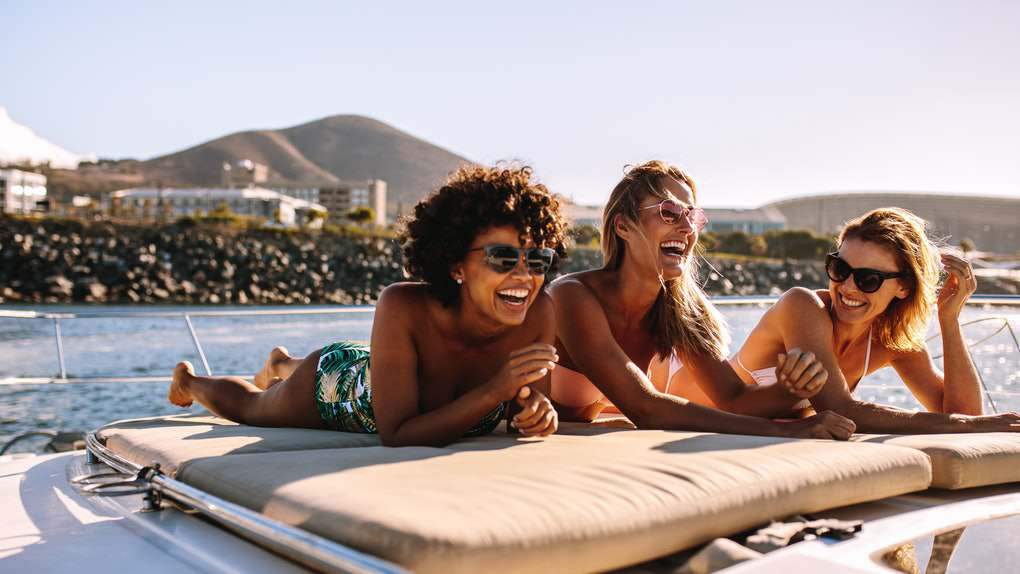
574,288
542,316
403,298
542,306
800,304
803,300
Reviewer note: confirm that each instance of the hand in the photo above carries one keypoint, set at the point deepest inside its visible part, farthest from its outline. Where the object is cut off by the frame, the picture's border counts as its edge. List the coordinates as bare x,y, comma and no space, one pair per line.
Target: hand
523,367
537,416
959,286
801,373
1002,422
826,424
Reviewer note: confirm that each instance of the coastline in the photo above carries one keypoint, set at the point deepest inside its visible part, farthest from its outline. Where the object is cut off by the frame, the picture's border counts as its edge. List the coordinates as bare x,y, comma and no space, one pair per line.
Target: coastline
65,261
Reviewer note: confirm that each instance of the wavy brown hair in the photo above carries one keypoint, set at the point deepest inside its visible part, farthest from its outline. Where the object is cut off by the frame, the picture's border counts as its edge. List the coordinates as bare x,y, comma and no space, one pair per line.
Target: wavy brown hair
903,324
442,227
682,319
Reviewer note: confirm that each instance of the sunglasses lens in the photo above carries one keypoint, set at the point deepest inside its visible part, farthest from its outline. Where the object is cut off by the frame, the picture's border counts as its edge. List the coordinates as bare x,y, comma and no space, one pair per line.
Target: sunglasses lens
539,260
502,258
671,212
868,281
698,218
837,269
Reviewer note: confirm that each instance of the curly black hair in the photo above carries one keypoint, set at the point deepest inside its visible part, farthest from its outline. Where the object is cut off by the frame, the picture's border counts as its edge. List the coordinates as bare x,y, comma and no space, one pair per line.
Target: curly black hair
439,233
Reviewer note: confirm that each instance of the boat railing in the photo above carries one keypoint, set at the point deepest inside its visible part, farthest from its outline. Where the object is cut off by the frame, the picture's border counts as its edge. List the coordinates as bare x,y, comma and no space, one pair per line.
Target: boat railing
58,339
56,317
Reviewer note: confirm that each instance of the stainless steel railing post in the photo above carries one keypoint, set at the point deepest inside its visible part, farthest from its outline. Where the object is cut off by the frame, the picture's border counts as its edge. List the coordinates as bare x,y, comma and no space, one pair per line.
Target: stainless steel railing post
198,346
60,347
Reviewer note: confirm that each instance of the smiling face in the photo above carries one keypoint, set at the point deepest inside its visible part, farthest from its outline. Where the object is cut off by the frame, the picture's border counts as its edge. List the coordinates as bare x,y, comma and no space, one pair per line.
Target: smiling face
850,303
502,297
658,246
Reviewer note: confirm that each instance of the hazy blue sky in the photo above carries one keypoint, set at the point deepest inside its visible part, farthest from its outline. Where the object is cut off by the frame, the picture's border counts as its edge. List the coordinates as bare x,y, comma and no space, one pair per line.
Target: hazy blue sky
758,100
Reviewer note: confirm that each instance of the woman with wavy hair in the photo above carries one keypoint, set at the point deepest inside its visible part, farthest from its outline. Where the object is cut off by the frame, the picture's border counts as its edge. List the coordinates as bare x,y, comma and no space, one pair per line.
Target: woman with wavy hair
883,288
481,247
645,307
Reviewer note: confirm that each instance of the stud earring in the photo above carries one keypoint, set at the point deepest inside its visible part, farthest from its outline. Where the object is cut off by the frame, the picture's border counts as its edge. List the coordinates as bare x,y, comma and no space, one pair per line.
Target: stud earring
460,281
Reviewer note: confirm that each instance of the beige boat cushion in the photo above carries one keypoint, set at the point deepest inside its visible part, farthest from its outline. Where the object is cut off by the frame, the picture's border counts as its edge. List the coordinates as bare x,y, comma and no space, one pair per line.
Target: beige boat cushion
963,460
563,504
176,440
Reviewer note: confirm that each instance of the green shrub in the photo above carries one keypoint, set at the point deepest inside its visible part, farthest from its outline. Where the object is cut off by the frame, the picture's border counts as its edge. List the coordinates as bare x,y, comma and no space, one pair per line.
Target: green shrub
797,244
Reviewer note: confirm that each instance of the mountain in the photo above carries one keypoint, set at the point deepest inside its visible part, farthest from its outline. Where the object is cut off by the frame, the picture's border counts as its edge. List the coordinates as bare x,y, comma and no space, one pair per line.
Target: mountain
325,151
20,145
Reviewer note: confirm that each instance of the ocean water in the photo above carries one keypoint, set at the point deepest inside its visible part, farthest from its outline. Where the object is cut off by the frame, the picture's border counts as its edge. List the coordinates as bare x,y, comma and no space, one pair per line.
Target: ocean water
151,346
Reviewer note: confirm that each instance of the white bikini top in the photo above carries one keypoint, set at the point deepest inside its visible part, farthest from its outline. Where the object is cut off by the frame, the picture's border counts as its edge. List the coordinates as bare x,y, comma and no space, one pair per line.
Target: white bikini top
767,376
675,364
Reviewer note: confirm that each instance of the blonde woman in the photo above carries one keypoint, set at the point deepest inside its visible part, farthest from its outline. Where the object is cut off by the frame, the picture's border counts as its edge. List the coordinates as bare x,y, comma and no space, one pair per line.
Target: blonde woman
883,288
645,303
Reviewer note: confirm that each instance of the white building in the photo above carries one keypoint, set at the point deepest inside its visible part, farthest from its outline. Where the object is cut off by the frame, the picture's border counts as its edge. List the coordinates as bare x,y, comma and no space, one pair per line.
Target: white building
21,191
578,214
342,198
152,203
750,221
308,193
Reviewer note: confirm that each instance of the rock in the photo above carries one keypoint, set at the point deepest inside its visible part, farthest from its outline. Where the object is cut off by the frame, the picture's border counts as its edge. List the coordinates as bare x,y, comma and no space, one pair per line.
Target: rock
96,293
59,285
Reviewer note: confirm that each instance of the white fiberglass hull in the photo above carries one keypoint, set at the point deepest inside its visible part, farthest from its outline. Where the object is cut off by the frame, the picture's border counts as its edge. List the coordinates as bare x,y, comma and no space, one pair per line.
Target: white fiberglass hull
50,526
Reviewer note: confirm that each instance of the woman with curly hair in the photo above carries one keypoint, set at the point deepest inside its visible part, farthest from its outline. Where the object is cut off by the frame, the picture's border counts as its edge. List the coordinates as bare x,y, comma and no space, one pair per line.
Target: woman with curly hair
883,289
644,308
447,352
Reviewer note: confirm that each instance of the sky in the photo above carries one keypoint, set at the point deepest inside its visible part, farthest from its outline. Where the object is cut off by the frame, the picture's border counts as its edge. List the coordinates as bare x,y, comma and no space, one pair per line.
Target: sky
756,100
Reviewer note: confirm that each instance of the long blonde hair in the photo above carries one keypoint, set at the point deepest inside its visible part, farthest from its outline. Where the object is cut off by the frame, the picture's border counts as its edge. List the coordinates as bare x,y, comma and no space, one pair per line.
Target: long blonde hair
903,324
682,319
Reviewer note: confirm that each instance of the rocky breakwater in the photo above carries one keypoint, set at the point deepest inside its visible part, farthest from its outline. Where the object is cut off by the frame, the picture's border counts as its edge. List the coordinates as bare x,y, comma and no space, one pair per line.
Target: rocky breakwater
66,261
734,275
61,261
742,275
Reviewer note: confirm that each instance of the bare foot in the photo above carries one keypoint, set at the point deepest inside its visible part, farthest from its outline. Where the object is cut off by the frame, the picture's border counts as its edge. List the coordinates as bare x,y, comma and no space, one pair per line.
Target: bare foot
178,393
269,375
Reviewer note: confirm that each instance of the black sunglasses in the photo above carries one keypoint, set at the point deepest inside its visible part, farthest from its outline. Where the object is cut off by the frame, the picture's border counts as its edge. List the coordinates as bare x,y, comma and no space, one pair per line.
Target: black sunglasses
503,258
867,280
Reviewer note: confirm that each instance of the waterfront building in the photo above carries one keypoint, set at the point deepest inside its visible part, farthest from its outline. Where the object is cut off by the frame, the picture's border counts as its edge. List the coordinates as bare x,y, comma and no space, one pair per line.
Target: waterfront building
577,214
990,222
22,191
149,203
307,192
751,221
244,173
340,199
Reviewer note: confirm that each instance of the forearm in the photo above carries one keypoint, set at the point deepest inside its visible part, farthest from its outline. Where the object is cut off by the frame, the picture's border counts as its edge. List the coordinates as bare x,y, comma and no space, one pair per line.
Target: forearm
961,390
875,418
761,401
444,425
668,412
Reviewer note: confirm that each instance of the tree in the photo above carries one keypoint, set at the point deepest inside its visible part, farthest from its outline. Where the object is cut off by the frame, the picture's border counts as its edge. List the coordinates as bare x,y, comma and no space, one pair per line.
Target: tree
758,246
361,214
797,244
585,234
737,242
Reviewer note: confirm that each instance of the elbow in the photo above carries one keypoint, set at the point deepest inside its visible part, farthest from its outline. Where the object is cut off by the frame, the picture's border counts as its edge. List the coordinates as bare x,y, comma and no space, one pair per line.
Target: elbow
643,415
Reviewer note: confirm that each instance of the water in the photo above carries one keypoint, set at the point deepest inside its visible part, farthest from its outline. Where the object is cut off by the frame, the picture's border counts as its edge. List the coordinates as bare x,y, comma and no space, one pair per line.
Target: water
238,345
